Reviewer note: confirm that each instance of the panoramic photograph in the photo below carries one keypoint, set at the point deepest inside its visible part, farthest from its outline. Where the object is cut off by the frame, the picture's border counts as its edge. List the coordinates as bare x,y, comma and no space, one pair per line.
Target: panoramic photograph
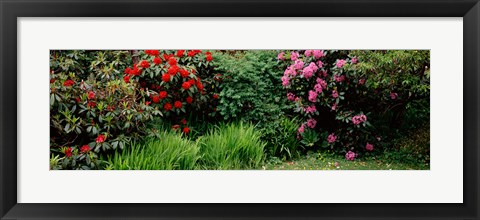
191,109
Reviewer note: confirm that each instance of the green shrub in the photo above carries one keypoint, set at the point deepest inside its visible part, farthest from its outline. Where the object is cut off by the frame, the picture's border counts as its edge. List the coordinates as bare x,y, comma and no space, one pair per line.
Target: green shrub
232,146
169,152
250,86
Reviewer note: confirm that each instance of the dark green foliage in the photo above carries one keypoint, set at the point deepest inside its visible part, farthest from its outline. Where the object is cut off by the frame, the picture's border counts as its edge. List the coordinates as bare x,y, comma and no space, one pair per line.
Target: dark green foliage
251,86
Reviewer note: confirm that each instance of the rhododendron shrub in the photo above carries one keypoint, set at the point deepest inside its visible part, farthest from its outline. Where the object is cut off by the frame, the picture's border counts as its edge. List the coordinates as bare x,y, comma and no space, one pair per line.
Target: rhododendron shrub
92,114
177,82
339,97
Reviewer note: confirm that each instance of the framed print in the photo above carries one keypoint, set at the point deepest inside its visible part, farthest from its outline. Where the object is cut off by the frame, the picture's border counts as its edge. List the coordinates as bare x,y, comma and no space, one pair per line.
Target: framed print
248,110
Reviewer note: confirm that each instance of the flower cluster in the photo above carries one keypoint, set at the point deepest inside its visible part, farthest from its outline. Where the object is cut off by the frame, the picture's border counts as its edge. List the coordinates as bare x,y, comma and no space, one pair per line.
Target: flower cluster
359,119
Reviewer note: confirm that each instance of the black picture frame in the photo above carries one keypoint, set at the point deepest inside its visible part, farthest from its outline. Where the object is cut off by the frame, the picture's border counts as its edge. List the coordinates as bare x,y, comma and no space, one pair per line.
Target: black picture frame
10,10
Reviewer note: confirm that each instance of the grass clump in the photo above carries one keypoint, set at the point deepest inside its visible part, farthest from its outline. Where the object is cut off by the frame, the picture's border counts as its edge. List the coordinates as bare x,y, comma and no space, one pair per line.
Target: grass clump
168,152
231,147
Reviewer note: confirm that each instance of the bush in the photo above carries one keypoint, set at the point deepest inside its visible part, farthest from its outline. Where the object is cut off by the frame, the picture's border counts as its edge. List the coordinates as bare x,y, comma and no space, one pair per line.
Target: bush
251,81
169,152
93,111
177,83
232,146
340,98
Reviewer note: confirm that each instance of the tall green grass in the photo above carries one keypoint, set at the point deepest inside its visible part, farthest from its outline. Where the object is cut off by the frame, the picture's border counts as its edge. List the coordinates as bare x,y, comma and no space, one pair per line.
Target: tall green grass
168,152
231,147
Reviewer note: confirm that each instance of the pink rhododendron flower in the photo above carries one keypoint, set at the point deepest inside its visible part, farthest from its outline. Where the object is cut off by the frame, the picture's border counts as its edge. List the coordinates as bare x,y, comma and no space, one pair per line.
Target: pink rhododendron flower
354,60
308,53
285,80
312,96
318,88
298,65
310,109
341,63
369,147
339,78
322,82
334,107
317,54
350,155
393,95
290,71
310,70
319,64
359,119
311,123
280,56
290,96
331,138
334,94
323,73
294,56
361,81
301,129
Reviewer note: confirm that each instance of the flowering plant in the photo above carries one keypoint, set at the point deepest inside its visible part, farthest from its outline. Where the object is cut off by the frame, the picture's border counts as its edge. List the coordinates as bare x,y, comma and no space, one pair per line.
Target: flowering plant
341,98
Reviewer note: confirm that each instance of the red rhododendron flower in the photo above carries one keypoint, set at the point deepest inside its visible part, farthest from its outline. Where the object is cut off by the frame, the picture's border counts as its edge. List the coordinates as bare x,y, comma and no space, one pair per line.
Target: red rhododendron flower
85,149
157,60
167,107
191,81
127,70
172,70
186,85
126,79
135,71
110,107
163,94
149,52
156,99
166,77
178,104
155,52
184,73
199,85
91,95
78,99
191,53
209,58
186,130
145,64
189,100
100,138
52,80
180,53
215,96
91,104
208,53
183,121
68,83
147,103
172,61
68,152
167,56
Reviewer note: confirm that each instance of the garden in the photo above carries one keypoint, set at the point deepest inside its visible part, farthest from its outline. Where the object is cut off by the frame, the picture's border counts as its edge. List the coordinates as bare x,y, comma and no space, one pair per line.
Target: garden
239,109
